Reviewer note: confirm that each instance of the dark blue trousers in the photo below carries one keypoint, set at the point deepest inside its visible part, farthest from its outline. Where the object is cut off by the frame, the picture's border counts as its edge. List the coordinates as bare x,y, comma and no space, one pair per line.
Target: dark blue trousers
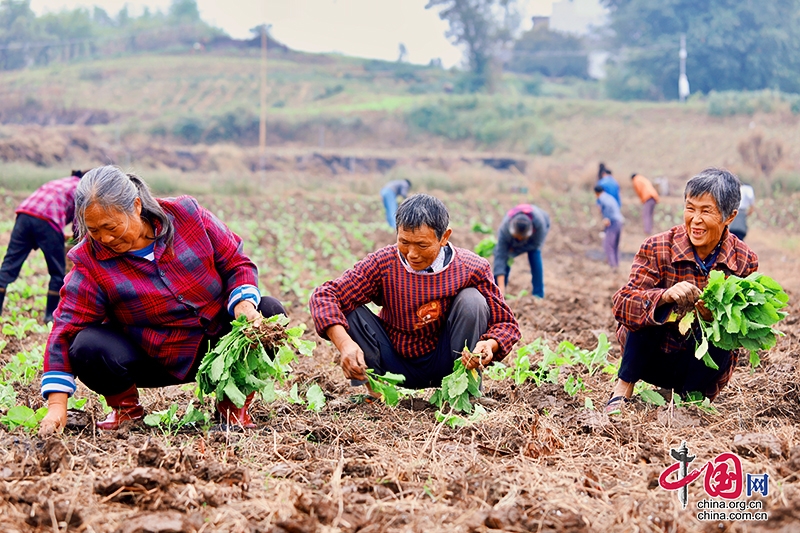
681,371
467,321
31,233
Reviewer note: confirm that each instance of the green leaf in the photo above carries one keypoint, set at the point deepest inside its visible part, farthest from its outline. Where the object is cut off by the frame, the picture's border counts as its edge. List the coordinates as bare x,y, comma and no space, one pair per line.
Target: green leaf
294,395
152,419
458,385
686,322
233,393
709,361
315,398
651,396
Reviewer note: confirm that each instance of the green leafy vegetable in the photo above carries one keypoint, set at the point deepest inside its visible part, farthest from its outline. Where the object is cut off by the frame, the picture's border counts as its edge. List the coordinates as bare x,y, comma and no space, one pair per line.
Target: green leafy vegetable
457,388
23,416
171,422
744,312
386,386
250,359
315,398
485,248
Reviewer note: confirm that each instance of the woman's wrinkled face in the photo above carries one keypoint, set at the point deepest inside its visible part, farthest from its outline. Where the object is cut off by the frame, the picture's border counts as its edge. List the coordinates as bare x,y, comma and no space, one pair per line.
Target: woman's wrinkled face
116,230
420,247
703,222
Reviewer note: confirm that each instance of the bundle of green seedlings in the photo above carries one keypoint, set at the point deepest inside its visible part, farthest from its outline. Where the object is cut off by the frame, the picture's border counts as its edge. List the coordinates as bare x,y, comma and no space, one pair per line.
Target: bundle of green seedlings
744,311
457,389
251,359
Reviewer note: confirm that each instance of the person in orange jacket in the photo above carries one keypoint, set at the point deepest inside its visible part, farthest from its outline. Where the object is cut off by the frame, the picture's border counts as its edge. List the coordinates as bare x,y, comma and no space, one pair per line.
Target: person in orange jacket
649,197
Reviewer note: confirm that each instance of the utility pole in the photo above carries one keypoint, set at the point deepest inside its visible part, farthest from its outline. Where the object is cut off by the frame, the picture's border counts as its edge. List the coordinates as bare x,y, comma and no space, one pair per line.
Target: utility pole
683,81
262,123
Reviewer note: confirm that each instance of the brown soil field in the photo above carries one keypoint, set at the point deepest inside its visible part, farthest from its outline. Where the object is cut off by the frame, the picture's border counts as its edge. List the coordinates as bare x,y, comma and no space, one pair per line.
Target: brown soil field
540,461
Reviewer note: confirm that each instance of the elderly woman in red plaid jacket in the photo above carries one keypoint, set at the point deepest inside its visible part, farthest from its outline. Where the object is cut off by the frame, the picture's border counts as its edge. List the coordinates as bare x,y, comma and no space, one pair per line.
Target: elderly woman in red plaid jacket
154,282
668,274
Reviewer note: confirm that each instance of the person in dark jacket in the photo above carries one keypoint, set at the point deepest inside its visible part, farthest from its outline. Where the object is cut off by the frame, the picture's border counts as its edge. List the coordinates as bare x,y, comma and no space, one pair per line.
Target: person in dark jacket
40,223
522,230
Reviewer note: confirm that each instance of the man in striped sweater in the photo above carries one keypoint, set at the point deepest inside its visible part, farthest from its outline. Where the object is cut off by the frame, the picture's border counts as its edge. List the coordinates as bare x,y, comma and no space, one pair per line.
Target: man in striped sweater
436,300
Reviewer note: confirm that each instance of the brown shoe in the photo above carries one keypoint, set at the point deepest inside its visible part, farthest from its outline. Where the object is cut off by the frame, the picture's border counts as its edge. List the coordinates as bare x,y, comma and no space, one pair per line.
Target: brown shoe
237,416
125,406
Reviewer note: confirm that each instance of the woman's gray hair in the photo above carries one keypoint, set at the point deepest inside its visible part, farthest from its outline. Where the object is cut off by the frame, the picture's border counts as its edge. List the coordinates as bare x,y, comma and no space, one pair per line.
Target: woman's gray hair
723,186
109,187
423,210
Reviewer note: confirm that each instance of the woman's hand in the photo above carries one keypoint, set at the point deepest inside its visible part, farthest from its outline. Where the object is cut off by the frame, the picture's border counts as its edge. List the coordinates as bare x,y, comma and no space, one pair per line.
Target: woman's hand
682,294
56,417
248,309
485,352
703,311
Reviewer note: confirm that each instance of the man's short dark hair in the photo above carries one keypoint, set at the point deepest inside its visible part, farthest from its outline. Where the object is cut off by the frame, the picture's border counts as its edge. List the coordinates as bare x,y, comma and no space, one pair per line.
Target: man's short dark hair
521,225
423,210
598,188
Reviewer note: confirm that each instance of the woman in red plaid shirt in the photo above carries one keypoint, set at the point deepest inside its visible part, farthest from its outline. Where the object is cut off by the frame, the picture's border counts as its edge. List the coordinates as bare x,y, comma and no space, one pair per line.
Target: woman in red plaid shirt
668,274
154,282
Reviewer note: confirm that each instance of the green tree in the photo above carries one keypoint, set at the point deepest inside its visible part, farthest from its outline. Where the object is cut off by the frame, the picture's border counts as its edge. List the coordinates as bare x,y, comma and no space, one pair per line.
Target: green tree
184,11
482,26
732,44
550,53
18,30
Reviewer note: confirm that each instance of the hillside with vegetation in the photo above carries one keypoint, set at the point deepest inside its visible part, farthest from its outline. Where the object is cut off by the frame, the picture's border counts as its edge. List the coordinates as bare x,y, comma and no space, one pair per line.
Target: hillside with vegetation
199,111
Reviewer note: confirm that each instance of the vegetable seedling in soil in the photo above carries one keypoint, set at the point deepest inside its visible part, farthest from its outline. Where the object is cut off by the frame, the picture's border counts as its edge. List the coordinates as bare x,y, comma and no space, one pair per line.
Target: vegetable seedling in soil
458,387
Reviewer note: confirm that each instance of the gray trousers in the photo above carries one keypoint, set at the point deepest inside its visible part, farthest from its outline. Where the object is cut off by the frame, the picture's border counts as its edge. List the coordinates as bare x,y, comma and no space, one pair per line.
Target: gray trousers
467,321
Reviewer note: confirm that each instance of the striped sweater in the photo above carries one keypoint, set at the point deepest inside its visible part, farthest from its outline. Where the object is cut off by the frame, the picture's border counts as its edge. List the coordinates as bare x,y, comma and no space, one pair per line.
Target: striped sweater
414,308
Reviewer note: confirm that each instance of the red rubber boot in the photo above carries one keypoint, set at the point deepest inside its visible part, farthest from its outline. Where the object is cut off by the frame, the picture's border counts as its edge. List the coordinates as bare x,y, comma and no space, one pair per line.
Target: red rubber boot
125,406
237,416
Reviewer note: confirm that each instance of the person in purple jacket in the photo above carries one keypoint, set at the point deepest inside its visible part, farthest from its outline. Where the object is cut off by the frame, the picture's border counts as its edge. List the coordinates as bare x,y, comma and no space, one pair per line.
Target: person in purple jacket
40,223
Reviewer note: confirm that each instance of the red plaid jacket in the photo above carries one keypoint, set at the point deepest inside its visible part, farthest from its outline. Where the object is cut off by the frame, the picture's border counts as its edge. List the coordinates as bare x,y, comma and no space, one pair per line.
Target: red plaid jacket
414,307
662,261
166,305
53,202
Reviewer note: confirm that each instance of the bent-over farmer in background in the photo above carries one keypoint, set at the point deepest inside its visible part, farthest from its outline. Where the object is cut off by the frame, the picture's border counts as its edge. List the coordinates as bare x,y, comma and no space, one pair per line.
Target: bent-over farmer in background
613,222
668,274
523,230
648,195
389,193
156,283
435,298
40,223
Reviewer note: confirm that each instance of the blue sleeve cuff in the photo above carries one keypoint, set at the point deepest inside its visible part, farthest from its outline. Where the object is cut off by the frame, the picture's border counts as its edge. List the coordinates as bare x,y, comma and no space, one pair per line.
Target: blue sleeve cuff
244,292
57,382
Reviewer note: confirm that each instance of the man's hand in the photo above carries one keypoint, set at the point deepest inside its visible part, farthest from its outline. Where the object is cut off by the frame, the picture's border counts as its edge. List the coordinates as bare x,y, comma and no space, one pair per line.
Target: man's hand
249,310
683,294
485,352
56,417
352,361
606,222
351,355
